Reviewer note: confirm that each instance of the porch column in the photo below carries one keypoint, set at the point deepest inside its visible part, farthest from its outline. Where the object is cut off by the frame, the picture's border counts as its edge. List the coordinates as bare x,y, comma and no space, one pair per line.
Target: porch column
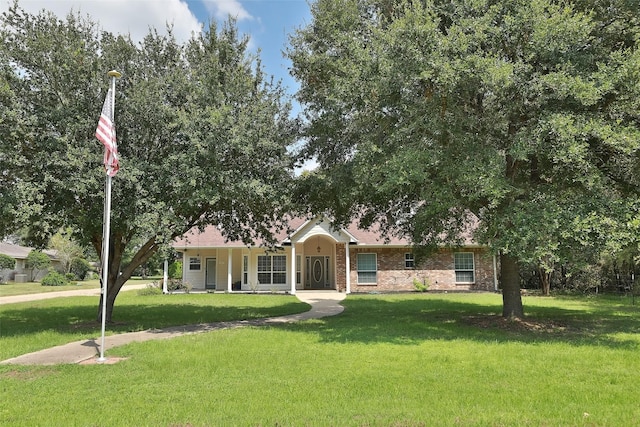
348,267
293,268
165,276
229,270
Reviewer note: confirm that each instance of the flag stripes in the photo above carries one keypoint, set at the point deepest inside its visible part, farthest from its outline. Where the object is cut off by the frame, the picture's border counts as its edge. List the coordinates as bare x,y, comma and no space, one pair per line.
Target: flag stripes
106,133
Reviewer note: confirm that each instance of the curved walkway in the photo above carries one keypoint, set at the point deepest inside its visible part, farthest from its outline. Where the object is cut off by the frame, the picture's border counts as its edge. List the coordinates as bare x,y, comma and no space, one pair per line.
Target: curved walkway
323,304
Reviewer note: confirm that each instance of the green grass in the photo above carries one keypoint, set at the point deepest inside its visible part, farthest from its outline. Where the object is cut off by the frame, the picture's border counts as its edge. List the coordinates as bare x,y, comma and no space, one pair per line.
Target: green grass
12,288
32,326
388,360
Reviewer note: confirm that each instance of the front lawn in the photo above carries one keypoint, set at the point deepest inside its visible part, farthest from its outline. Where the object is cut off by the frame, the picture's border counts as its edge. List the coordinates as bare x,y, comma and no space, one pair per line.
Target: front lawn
388,360
13,288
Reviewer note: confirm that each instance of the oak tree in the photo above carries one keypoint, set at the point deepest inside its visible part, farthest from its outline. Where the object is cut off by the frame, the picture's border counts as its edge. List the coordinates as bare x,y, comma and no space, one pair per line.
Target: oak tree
521,117
203,135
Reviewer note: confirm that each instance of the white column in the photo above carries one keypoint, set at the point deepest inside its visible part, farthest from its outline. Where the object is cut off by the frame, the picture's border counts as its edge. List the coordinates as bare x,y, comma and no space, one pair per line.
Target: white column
293,268
165,276
348,266
229,270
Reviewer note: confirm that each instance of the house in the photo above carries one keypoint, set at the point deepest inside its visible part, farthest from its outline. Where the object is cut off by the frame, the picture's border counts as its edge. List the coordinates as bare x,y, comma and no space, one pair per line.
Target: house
316,256
20,273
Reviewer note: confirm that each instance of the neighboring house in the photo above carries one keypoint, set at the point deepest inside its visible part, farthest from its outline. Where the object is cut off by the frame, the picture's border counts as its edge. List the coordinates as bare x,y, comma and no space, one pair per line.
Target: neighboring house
315,256
20,253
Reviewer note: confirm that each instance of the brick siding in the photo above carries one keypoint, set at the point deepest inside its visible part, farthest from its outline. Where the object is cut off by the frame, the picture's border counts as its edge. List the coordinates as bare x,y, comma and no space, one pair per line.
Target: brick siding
437,270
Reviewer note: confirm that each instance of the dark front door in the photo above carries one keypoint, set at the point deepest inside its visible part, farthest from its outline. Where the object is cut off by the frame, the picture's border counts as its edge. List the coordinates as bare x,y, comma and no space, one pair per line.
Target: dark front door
317,274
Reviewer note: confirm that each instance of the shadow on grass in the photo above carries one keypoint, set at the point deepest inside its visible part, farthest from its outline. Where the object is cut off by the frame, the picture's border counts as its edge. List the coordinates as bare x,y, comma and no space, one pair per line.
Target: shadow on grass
413,320
21,320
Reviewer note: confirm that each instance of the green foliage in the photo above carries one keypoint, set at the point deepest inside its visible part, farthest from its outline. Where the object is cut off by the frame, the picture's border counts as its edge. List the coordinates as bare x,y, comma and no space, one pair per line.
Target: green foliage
152,289
177,285
37,261
175,270
421,285
204,108
66,248
415,347
6,262
80,267
54,278
520,117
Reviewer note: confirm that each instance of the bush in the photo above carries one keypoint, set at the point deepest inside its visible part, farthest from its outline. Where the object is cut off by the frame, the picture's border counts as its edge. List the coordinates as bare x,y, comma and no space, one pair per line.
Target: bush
79,267
150,290
421,286
6,262
174,285
53,278
175,270
36,262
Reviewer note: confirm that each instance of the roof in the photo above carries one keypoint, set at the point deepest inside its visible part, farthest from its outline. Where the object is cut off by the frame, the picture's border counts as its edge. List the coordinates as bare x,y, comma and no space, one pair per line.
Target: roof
212,237
21,252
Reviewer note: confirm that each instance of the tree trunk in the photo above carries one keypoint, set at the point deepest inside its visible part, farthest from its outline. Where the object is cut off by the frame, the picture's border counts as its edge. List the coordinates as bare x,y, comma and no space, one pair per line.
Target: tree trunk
113,288
510,283
116,278
545,281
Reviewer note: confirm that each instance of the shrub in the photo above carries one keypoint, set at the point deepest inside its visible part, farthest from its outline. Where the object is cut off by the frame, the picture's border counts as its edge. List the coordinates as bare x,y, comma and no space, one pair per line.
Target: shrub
152,289
36,262
175,270
53,278
174,285
6,262
421,286
80,267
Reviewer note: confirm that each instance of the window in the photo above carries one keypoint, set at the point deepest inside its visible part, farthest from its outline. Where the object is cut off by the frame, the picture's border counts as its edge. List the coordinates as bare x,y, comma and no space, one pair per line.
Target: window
298,269
408,260
272,269
194,263
367,269
245,269
465,271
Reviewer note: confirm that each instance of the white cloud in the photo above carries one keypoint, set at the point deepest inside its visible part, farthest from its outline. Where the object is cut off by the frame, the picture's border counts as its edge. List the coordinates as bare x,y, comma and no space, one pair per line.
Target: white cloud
133,17
221,9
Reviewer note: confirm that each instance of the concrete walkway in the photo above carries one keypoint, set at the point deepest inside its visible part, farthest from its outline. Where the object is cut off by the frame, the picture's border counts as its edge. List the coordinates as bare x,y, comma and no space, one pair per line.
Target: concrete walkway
323,303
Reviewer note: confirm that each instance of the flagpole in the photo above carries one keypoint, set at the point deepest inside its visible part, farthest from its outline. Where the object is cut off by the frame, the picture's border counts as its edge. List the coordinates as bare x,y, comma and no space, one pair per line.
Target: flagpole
106,228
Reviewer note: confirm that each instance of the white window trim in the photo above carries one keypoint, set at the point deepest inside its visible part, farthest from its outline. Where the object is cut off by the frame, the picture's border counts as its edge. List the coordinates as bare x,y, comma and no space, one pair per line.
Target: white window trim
271,271
193,264
375,282
472,269
245,269
412,259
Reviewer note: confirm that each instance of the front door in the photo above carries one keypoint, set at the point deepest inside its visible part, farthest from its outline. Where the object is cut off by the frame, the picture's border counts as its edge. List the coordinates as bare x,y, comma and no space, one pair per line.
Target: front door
210,274
317,266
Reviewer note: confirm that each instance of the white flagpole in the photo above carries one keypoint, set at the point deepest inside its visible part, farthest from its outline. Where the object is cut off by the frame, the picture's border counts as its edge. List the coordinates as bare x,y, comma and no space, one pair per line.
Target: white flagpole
106,228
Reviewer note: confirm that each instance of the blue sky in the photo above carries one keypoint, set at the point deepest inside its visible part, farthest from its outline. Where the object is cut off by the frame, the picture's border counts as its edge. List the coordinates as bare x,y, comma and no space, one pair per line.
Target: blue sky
267,22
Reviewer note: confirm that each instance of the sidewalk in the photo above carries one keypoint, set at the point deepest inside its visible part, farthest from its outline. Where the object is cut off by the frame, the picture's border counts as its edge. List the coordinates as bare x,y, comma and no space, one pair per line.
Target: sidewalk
323,304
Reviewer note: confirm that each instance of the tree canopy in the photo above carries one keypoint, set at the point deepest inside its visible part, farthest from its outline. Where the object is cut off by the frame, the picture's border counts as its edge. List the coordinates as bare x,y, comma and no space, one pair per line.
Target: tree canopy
524,114
203,135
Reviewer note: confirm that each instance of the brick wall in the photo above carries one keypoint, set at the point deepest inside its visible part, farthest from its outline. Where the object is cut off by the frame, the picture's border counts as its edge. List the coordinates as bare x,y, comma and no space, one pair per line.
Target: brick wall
437,270
341,267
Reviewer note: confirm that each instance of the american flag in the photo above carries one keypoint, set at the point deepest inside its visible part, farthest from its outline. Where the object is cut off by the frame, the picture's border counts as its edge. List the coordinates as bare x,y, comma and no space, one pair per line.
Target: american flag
106,133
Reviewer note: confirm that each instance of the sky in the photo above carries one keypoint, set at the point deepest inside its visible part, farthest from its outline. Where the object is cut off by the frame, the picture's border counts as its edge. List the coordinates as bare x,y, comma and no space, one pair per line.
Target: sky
266,22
